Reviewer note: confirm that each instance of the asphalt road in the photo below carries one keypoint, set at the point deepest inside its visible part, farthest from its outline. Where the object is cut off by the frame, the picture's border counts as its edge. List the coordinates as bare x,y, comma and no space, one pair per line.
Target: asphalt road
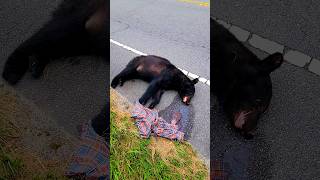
172,29
72,90
176,30
294,23
286,145
287,141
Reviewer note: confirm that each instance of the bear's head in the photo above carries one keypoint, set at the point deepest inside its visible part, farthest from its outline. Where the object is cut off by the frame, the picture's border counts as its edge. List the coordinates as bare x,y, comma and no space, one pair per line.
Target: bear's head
250,92
187,90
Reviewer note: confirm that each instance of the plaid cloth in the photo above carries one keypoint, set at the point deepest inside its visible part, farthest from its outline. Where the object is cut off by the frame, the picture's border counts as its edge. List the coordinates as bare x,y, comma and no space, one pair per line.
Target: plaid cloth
91,160
148,121
219,170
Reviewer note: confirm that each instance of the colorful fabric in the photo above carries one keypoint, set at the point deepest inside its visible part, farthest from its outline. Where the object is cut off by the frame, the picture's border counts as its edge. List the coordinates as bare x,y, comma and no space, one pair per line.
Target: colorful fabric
219,170
185,123
148,121
91,160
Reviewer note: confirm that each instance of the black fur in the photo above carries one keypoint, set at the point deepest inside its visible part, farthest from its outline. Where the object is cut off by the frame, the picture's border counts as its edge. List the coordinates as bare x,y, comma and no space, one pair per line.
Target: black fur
77,27
162,76
99,123
240,80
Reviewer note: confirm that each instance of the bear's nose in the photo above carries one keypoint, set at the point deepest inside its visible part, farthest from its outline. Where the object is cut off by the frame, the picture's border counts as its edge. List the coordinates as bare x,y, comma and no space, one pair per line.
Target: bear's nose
186,100
240,119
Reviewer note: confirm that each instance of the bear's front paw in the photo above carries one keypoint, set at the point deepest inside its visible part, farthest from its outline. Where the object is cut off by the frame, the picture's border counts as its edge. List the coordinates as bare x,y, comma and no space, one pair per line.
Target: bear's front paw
152,105
114,83
142,101
121,82
11,77
36,69
15,67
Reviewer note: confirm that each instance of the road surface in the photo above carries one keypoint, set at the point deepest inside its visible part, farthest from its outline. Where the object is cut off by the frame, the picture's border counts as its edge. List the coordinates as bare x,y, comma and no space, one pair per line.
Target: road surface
72,91
176,30
286,145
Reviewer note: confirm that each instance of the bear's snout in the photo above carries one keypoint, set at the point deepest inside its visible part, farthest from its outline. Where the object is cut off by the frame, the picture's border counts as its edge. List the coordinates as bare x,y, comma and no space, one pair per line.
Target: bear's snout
186,100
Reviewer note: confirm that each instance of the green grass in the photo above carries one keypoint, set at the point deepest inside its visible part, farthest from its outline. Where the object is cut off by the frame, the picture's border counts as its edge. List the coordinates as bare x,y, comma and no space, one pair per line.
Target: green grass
131,157
10,167
16,164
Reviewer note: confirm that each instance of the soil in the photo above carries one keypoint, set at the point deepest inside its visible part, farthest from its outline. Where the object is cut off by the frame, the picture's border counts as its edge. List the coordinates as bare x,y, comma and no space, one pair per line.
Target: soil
32,136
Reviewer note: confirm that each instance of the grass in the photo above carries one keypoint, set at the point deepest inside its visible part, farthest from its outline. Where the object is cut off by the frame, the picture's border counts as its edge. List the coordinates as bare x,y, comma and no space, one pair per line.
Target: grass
13,167
10,166
15,161
132,157
15,164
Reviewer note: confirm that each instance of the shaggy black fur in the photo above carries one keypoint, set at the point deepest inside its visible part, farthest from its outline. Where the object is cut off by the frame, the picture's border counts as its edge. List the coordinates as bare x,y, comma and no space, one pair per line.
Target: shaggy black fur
77,27
162,76
240,80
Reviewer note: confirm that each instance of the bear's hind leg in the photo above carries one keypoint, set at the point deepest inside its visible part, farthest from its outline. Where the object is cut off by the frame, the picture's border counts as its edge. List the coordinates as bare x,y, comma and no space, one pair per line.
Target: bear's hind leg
150,92
156,99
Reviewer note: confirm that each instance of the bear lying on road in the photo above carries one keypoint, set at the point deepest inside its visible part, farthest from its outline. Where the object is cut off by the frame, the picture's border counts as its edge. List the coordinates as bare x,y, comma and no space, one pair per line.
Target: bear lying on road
162,76
77,27
241,81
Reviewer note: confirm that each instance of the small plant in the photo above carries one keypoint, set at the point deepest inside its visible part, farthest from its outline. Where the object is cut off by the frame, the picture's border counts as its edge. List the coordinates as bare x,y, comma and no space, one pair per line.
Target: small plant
10,167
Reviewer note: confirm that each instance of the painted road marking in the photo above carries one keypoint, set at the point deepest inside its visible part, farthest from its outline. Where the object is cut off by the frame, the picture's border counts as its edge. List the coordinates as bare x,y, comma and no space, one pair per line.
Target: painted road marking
191,75
199,3
291,56
128,48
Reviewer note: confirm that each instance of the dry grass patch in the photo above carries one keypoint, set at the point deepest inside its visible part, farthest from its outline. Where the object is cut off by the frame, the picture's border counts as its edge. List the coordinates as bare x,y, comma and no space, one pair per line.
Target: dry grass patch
18,161
132,157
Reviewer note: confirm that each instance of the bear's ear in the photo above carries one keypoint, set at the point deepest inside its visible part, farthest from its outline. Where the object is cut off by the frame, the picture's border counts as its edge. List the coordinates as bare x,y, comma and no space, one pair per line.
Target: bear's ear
271,63
195,81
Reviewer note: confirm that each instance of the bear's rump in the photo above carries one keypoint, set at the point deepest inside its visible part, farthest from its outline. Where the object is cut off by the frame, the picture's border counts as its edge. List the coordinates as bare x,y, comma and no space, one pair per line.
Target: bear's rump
151,69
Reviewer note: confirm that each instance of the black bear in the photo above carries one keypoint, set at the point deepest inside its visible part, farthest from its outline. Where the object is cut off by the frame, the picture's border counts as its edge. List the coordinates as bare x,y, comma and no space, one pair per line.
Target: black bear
240,79
100,122
162,76
77,27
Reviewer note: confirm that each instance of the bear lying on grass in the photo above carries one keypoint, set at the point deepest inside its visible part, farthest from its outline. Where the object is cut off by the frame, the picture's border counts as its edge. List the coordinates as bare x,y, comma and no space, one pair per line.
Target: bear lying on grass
162,76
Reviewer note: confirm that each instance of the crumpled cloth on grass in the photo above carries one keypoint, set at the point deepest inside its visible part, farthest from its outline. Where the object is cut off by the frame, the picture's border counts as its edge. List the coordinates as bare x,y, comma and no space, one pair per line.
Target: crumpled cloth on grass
148,121
91,160
185,124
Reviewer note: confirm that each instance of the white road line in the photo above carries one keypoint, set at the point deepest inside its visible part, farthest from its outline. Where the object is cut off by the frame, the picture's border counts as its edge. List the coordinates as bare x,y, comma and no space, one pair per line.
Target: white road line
191,75
127,47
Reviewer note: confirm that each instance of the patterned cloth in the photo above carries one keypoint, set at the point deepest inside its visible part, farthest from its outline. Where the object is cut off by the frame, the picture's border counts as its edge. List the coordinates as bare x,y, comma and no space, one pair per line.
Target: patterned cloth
185,123
91,160
148,121
219,170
